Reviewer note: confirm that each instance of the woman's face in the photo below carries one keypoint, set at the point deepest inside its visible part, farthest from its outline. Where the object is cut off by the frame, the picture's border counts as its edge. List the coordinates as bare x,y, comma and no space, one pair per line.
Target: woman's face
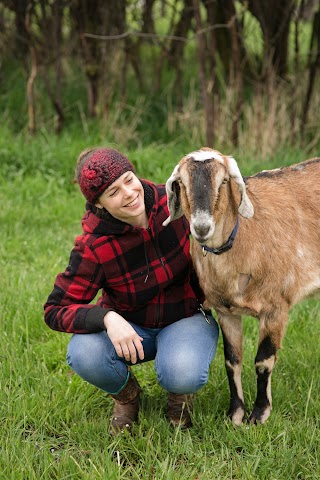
124,200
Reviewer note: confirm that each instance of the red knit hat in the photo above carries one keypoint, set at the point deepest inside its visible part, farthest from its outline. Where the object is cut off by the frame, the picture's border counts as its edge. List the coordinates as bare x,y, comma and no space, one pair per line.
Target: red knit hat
103,167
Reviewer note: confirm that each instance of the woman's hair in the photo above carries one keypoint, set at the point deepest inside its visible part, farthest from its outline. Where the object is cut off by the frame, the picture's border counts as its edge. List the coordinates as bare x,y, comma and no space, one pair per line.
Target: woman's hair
83,157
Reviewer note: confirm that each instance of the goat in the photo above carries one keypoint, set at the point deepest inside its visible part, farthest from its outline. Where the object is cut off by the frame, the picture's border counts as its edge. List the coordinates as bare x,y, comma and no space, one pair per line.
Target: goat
258,263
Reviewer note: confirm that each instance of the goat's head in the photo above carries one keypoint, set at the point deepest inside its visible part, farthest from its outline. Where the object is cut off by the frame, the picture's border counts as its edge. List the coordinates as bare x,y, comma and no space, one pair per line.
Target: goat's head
195,186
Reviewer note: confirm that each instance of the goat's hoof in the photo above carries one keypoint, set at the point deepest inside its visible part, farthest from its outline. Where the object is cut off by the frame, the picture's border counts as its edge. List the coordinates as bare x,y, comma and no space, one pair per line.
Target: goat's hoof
236,416
259,415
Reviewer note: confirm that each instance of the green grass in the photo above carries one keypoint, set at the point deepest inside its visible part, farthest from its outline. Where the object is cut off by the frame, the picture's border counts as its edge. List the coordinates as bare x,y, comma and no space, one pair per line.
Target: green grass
55,426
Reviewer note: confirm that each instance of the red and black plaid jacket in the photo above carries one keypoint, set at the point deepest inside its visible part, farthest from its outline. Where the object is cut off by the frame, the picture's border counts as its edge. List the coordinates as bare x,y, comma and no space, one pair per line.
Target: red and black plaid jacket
145,275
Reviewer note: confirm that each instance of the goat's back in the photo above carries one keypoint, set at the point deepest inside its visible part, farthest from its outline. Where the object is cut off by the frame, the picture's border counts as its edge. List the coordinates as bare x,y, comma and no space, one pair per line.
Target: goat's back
300,182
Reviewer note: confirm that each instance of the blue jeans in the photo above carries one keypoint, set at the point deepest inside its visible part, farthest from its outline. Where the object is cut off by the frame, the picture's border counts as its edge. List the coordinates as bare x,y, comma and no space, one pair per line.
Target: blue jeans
182,354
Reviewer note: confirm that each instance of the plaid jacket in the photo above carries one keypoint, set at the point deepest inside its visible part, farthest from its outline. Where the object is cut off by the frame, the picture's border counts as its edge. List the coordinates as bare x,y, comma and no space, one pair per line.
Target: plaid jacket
145,275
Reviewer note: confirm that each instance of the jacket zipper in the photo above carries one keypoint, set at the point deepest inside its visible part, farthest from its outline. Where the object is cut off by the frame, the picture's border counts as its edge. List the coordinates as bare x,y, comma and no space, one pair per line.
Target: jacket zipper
158,252
158,309
166,272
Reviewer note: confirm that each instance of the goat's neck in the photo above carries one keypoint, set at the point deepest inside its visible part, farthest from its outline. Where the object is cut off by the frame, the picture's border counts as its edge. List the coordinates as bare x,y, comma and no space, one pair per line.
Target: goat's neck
227,211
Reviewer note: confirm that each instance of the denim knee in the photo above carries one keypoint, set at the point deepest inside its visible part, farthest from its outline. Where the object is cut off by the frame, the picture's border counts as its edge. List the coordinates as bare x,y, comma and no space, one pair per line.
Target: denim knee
185,352
183,375
85,351
93,358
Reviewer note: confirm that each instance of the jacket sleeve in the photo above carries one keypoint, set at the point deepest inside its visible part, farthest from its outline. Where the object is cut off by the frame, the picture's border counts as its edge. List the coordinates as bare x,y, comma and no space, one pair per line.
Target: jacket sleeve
67,308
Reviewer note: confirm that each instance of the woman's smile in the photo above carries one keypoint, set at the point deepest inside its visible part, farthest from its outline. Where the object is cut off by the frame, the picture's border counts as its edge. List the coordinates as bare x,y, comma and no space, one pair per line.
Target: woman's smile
134,202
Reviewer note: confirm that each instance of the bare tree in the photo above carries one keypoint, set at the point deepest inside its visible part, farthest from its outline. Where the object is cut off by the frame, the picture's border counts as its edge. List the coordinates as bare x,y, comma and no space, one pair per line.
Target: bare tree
99,24
19,7
32,73
205,81
177,47
274,17
50,23
39,34
226,42
133,47
314,65
87,19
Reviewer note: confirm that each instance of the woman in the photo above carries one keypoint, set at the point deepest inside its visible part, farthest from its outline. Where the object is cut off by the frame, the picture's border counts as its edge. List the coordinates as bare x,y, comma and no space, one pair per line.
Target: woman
150,303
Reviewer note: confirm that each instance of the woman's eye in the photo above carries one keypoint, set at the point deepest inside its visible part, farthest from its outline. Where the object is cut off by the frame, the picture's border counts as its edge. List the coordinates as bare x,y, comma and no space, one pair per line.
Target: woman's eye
129,180
113,193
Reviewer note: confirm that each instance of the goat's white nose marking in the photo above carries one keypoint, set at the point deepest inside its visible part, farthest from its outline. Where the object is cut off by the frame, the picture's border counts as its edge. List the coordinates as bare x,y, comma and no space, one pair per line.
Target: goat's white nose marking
202,225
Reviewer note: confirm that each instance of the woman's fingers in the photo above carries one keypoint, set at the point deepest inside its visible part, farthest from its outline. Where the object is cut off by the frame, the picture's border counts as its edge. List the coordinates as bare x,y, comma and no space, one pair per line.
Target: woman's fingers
139,347
125,339
129,349
126,352
133,352
118,348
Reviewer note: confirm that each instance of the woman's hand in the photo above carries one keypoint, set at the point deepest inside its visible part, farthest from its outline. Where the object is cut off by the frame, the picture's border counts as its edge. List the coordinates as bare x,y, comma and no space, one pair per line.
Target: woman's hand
124,338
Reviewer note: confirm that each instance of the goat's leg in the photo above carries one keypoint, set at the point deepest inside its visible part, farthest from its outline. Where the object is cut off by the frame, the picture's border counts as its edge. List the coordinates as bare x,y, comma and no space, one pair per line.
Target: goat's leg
270,338
231,327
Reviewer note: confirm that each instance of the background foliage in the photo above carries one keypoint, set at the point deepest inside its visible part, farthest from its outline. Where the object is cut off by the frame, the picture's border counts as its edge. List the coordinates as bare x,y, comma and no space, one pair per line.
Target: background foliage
243,74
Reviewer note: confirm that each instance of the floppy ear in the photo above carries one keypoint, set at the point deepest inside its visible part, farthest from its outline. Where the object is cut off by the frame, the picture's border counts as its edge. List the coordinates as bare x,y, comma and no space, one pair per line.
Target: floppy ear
173,194
245,208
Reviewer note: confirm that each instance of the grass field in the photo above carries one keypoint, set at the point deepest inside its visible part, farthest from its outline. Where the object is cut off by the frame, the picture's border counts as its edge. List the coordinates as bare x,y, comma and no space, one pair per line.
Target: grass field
55,426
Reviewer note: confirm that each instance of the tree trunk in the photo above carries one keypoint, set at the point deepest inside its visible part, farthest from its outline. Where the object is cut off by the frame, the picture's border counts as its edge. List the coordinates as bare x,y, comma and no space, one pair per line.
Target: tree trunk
87,19
176,49
274,17
207,98
314,65
94,19
30,91
236,69
32,74
21,38
226,41
51,29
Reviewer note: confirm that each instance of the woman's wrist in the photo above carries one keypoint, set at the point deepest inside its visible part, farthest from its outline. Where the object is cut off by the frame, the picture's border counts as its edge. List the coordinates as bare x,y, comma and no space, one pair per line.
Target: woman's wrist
107,317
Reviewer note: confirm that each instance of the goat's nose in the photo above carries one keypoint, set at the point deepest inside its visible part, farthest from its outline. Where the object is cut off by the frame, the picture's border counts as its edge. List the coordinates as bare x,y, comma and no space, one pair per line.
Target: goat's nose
202,230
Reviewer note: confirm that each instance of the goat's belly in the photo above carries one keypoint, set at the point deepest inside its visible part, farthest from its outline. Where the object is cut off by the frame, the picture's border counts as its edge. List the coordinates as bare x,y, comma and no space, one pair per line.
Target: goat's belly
239,311
234,305
245,311
310,289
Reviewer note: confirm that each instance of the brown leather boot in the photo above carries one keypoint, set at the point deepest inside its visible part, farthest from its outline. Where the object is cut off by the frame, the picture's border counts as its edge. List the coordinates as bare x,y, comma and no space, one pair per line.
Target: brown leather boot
126,406
179,410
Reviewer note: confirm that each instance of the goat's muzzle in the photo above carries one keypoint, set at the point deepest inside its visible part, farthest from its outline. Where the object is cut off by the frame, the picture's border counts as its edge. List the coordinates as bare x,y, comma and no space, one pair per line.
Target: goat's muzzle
202,226
201,233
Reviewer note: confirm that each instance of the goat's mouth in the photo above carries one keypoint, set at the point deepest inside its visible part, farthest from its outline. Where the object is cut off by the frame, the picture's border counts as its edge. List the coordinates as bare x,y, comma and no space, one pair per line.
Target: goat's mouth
201,240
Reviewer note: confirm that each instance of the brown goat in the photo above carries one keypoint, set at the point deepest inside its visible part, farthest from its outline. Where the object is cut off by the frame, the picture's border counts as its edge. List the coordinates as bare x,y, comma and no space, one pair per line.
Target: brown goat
258,263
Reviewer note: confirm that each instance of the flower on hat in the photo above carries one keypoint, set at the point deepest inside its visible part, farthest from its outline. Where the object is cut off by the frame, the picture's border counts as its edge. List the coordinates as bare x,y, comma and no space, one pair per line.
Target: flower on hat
89,173
94,175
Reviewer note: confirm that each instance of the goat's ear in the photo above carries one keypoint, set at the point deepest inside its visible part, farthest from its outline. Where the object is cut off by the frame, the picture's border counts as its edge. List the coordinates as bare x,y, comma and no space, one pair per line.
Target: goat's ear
245,208
173,194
